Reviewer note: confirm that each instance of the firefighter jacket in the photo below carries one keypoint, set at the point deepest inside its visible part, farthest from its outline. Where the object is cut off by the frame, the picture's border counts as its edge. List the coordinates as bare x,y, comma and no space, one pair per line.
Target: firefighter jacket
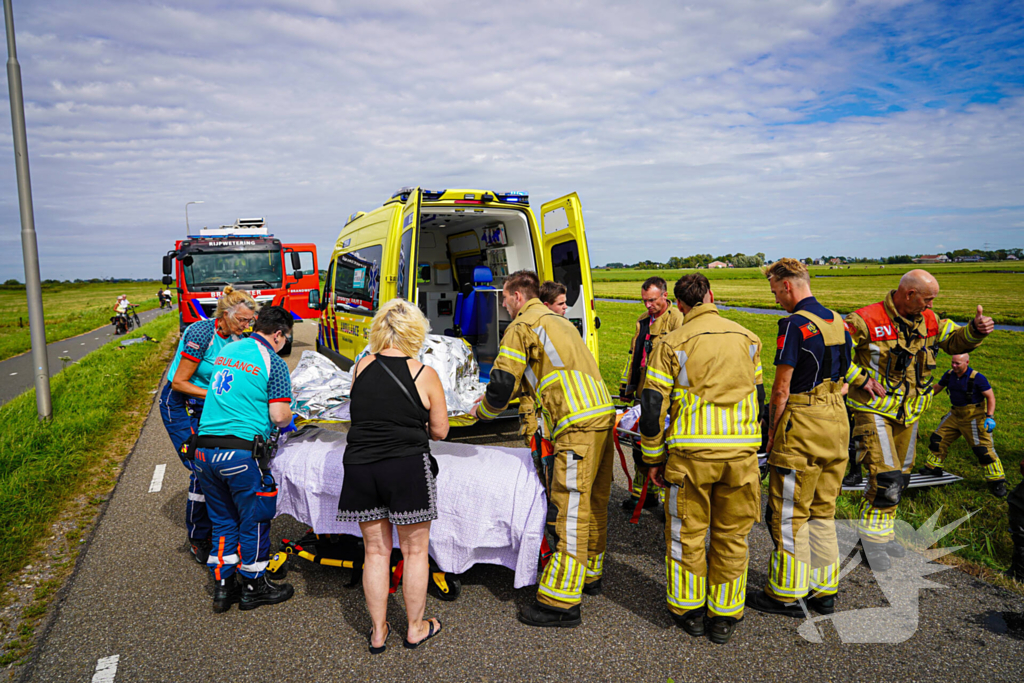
647,333
900,354
707,377
543,355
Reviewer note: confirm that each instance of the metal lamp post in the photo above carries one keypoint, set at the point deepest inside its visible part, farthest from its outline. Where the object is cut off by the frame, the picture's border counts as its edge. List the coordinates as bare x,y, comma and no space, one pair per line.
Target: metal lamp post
187,230
29,247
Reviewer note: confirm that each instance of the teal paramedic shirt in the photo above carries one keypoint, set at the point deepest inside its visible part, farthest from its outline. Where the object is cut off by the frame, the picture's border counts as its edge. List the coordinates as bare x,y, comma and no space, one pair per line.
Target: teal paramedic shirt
248,376
200,343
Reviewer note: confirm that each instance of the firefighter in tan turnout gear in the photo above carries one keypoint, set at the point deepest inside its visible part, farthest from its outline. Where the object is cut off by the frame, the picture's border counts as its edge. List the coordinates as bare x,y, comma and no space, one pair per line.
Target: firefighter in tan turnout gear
543,355
660,319
808,447
707,376
895,346
972,414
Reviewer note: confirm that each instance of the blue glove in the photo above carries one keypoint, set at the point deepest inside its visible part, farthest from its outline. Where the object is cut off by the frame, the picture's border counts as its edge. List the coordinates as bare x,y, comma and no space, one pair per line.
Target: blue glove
290,427
990,424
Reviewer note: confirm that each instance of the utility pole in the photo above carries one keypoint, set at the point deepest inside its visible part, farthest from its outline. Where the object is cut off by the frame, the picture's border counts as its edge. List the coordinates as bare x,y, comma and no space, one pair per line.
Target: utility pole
29,248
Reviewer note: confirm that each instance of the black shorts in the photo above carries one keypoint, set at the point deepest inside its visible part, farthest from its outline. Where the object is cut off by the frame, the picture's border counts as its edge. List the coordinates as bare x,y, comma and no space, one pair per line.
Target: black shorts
402,490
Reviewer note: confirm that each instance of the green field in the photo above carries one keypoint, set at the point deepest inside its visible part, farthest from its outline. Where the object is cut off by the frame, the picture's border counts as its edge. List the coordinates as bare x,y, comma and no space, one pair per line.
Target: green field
961,290
69,308
985,537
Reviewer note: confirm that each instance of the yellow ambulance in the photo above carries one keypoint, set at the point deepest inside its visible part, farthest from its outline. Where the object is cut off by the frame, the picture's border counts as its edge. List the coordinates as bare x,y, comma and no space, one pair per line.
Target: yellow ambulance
449,251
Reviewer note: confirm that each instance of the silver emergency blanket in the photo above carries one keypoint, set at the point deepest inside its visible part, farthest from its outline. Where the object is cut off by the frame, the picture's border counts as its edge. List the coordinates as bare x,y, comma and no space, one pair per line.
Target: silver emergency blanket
490,502
320,389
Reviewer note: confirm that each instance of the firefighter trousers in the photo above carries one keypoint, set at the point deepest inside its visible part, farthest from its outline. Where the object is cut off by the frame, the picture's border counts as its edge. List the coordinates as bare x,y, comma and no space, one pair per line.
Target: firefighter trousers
725,497
807,464
577,515
887,448
969,422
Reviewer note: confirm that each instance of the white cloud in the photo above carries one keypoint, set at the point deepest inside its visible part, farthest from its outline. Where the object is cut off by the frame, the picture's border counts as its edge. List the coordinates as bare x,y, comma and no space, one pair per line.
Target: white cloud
707,127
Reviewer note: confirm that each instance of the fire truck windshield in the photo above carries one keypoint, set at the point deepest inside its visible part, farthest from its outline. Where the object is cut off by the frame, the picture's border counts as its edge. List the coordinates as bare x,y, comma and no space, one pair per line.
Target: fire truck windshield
261,268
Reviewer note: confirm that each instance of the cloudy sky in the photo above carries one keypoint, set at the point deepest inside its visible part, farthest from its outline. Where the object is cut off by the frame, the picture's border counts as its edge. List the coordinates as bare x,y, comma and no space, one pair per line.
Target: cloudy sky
794,128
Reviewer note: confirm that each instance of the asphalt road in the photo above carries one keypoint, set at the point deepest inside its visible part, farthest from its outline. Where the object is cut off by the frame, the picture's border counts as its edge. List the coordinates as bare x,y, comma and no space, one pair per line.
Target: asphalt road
136,594
16,374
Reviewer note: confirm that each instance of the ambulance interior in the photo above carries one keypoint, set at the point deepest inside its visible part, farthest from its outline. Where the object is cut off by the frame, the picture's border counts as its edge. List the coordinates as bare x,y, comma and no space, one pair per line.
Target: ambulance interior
464,257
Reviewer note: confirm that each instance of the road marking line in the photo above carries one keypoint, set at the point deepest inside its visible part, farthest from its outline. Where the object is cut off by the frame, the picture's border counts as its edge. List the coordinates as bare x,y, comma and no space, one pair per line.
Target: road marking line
157,482
82,344
106,669
13,374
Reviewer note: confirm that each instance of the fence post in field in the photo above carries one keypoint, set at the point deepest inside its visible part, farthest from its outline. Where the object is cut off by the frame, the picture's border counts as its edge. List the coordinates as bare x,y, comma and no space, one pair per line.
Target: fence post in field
29,248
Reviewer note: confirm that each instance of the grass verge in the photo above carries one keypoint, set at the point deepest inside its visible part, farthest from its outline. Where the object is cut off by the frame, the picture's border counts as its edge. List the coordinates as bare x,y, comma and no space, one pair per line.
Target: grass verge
54,477
986,536
69,309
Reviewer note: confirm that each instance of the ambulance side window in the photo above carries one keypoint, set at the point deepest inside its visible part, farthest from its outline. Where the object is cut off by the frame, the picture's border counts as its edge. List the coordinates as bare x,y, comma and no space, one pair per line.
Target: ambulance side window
565,265
357,280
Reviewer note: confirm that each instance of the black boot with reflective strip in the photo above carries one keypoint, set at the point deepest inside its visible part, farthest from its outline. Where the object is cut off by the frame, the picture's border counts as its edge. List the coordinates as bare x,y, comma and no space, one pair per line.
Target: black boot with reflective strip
263,591
537,614
226,592
876,556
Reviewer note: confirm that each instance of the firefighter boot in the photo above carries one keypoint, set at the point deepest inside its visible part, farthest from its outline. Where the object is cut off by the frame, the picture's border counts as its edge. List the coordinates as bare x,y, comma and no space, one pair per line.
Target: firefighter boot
876,556
593,588
824,604
763,602
720,629
692,622
225,593
200,548
855,477
895,549
931,471
263,591
537,614
998,488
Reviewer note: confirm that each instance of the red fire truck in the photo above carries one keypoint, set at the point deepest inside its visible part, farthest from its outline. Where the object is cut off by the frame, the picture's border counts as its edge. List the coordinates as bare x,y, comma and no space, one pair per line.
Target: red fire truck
246,257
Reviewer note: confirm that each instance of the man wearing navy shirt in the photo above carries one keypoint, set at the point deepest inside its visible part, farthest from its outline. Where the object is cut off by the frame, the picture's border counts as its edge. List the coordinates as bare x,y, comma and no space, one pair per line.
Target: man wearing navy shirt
808,437
972,414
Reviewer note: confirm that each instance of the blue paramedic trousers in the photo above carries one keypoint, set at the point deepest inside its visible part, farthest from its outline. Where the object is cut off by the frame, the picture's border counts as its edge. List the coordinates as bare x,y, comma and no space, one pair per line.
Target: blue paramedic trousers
180,426
241,506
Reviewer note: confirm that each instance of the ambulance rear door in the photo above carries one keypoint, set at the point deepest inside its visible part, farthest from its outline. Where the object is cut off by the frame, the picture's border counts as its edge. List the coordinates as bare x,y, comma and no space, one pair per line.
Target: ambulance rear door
408,247
567,260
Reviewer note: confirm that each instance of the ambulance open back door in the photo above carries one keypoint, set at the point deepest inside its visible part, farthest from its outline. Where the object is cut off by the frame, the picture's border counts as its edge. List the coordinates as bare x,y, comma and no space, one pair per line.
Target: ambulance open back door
567,260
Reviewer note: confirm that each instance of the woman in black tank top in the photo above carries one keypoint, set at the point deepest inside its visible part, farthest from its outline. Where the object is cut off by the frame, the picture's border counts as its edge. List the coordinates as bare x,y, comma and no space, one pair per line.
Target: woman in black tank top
397,406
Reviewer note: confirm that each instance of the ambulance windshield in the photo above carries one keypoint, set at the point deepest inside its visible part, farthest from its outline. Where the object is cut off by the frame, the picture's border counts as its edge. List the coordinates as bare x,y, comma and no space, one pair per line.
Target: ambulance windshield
259,268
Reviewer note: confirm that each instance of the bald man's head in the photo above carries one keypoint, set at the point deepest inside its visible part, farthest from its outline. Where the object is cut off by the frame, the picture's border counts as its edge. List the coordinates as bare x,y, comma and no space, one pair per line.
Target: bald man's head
917,291
960,363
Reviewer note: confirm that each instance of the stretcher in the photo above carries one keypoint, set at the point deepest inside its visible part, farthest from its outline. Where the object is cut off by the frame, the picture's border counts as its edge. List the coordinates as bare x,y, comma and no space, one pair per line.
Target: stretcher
491,509
917,481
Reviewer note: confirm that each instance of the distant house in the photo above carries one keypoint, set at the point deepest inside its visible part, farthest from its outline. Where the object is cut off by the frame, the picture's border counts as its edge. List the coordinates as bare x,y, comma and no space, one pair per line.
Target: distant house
1011,257
970,259
932,258
718,264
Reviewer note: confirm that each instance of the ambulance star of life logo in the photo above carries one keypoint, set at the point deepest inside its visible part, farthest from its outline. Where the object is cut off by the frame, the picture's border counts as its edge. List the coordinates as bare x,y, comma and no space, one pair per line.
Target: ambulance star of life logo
222,382
901,584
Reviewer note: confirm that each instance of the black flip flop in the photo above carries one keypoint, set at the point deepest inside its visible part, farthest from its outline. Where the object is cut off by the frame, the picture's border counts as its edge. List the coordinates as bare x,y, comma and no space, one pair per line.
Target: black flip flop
369,638
430,634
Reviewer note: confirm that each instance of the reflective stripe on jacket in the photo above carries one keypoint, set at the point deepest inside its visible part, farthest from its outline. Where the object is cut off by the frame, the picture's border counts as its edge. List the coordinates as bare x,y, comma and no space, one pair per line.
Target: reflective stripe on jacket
705,375
900,354
543,355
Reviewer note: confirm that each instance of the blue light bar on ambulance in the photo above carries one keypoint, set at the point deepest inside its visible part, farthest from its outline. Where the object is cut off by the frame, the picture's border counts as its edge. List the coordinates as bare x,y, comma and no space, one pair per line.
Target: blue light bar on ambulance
432,195
513,197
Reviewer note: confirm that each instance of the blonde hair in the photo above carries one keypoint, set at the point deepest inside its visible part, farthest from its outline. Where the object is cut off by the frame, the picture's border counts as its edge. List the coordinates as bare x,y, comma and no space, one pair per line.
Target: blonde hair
787,269
399,325
232,299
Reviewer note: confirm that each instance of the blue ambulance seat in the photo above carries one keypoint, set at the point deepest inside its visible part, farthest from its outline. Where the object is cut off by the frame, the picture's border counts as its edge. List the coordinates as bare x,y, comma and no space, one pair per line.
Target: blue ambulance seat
472,316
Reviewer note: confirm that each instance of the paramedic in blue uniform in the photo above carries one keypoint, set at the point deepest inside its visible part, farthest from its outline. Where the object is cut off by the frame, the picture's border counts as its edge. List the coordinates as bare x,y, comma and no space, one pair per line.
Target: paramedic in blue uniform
250,392
972,414
808,448
181,402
